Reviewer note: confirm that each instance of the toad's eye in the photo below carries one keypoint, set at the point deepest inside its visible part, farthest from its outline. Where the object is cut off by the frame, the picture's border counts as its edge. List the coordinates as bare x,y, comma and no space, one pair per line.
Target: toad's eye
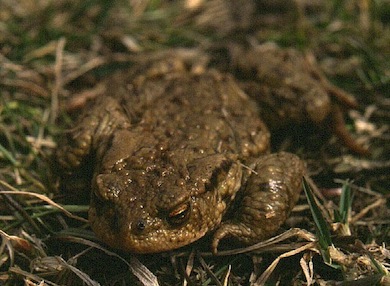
141,224
179,214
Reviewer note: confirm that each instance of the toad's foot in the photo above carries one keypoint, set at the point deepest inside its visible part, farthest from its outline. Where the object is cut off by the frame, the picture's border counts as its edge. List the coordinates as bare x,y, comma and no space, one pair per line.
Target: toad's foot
290,88
270,194
342,99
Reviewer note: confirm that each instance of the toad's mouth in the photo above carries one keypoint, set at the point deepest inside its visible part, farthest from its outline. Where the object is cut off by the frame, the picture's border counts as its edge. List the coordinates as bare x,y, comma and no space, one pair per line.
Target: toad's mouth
158,240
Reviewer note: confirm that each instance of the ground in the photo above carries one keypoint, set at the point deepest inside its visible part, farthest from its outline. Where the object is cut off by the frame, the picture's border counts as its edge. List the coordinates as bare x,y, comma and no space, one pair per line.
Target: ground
52,56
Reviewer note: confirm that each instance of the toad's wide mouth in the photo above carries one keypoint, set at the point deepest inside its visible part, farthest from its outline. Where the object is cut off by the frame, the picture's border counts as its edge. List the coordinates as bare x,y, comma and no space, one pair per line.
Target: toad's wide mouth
159,240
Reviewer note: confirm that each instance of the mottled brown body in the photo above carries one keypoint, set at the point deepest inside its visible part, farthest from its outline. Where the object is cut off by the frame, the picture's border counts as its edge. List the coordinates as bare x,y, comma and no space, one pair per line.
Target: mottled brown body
172,151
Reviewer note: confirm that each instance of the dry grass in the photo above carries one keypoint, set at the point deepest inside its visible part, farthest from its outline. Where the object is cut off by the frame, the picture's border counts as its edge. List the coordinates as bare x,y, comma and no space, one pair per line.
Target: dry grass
52,56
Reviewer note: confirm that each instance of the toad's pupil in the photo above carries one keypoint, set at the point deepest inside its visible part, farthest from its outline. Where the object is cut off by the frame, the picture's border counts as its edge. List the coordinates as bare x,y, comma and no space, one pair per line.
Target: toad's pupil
141,224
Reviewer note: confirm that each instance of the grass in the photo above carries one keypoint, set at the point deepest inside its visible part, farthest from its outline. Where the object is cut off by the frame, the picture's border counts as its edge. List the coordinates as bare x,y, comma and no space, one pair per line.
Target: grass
52,56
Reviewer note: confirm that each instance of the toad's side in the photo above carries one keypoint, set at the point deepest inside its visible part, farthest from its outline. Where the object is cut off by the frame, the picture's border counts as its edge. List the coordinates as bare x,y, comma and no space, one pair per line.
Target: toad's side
172,152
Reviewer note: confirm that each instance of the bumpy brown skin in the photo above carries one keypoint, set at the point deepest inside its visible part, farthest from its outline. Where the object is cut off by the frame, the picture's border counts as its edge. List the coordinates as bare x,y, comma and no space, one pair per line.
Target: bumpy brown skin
172,151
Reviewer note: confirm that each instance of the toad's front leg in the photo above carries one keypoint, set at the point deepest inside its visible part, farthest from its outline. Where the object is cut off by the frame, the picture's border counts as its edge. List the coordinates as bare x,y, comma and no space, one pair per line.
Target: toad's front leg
93,128
270,193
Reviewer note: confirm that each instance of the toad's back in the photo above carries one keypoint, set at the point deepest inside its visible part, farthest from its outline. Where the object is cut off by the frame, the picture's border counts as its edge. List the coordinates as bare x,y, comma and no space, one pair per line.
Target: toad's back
207,112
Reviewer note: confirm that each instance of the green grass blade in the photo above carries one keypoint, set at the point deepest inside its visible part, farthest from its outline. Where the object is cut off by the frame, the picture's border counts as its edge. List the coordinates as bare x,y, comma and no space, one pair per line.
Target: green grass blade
345,203
322,229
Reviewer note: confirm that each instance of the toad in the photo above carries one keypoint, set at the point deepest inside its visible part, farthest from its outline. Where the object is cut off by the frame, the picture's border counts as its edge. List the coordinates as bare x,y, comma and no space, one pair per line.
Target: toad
173,151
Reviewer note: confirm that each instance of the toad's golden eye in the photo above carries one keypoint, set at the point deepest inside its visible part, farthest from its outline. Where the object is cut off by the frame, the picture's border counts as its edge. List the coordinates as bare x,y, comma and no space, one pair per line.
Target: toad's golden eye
179,214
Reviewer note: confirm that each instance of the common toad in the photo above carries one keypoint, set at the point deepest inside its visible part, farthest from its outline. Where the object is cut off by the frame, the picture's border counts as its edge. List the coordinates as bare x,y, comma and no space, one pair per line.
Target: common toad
172,151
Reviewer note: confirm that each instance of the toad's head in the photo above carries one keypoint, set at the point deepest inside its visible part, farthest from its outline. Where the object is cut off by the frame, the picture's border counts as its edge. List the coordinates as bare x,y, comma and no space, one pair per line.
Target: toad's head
159,203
